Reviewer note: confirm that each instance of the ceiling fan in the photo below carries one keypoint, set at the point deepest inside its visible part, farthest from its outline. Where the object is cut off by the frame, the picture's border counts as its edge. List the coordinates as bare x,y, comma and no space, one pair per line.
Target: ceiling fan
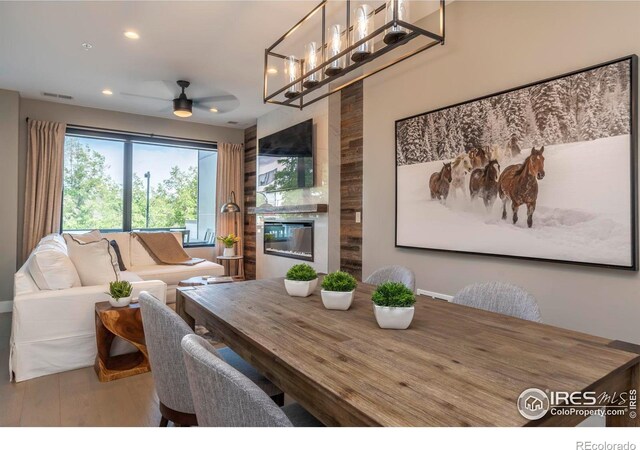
183,106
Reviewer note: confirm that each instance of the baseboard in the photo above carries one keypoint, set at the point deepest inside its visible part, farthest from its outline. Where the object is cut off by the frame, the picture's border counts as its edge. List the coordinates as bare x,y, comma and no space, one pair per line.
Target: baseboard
435,295
6,306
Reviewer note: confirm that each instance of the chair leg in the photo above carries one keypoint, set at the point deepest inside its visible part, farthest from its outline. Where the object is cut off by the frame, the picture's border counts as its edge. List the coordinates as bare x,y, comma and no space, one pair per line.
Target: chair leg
278,399
164,421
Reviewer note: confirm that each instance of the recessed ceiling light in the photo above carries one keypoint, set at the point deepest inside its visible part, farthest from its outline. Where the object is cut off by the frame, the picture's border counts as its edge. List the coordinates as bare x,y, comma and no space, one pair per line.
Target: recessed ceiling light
272,71
213,109
131,35
87,46
107,92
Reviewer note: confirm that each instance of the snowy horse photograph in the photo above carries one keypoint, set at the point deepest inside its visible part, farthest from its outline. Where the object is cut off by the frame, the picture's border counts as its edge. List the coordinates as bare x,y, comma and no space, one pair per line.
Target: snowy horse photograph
544,171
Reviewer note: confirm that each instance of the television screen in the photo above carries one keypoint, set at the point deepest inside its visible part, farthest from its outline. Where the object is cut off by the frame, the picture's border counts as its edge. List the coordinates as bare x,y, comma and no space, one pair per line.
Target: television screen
285,159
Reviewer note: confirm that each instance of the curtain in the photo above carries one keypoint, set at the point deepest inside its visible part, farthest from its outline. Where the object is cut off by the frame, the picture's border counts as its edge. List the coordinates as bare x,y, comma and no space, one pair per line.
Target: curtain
43,193
230,178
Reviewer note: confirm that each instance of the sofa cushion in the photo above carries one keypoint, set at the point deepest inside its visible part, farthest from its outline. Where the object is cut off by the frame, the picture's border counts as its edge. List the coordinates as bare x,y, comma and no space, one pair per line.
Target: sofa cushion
130,277
123,239
139,254
172,275
51,268
96,262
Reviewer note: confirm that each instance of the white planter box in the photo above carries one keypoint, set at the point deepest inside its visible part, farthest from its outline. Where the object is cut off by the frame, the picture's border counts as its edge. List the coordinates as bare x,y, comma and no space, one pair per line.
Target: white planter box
300,288
337,300
120,302
393,317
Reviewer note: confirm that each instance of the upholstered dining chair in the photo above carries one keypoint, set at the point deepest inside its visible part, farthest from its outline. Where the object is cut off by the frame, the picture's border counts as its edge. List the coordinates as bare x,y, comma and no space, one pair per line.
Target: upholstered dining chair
163,331
224,397
501,298
399,274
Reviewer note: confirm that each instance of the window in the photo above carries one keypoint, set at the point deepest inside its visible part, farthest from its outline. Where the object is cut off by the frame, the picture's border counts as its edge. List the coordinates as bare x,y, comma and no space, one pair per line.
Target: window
121,182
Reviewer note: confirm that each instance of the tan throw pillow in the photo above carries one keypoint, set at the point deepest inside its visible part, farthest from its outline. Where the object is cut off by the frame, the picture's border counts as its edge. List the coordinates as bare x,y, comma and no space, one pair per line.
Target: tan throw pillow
90,236
96,262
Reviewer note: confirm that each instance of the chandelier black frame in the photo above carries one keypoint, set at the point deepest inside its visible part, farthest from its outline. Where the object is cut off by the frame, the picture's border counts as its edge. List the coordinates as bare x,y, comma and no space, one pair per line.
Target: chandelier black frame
298,101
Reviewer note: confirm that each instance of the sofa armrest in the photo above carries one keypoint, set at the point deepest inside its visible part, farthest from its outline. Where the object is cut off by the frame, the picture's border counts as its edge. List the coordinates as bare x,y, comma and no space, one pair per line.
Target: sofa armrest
62,313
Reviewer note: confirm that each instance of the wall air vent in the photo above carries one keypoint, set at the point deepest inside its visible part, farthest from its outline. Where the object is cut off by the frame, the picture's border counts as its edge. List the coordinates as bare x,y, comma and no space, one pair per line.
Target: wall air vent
60,96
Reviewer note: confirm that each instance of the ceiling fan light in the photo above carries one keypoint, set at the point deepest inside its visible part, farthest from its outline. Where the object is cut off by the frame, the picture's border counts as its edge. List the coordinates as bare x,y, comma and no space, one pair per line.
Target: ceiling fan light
182,106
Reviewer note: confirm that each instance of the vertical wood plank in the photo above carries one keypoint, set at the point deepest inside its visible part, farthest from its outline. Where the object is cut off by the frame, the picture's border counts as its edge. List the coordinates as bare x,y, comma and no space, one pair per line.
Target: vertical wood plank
351,133
249,244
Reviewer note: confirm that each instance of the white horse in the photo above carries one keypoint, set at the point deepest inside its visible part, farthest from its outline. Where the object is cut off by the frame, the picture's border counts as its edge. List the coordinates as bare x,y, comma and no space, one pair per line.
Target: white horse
460,167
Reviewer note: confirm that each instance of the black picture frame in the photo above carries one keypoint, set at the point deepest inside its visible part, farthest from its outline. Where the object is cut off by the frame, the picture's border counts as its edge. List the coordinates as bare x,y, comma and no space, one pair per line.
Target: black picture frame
633,93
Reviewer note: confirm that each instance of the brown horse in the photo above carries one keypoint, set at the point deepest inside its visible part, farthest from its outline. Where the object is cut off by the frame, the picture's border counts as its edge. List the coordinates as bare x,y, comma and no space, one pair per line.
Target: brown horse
484,183
519,183
479,158
439,182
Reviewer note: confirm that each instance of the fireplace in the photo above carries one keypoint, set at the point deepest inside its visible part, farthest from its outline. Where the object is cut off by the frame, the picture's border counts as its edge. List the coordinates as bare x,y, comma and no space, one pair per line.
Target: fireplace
289,239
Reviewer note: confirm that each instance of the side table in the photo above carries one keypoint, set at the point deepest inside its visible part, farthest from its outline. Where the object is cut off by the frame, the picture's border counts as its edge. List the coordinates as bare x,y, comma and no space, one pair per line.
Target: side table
126,323
226,262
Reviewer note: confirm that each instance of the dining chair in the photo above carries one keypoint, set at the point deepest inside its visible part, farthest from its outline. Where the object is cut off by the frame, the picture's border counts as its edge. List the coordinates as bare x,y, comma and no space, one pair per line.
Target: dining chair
224,397
163,331
499,297
399,274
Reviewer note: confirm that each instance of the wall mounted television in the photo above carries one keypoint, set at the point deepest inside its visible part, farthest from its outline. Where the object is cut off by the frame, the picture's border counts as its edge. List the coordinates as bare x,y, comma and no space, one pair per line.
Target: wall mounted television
285,159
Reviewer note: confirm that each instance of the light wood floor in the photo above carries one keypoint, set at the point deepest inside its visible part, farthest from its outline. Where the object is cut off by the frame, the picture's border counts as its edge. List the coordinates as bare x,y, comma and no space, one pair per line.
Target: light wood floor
73,398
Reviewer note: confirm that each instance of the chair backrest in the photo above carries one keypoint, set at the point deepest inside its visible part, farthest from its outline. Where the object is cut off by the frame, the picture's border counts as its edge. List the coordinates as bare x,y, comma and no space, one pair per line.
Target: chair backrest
222,396
163,332
399,274
501,298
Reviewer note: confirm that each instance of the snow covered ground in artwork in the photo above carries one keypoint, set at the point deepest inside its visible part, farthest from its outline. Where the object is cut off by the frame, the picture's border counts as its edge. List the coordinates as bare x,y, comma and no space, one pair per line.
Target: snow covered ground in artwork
582,212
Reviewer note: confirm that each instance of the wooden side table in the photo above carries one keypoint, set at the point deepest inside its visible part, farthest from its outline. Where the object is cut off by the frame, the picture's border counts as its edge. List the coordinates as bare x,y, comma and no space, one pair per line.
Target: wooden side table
126,323
226,262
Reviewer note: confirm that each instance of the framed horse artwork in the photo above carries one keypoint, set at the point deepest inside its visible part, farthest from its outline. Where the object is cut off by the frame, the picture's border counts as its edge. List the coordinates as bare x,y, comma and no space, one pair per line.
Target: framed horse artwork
545,171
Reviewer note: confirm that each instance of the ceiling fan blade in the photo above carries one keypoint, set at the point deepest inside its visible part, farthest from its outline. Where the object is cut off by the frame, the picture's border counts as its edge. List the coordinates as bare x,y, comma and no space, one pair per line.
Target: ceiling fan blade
205,108
148,97
215,98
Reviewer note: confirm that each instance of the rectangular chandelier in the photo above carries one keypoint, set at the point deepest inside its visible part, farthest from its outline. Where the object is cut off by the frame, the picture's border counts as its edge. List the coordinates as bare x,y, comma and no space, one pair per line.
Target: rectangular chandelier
318,60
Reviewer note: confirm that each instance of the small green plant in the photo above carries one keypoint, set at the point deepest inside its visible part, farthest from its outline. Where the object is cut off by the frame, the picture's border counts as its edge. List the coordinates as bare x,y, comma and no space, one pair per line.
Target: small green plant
301,272
120,289
339,282
393,294
229,240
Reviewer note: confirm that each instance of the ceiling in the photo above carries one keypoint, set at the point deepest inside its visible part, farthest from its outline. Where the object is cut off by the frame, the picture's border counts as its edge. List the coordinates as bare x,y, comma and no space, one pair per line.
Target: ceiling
217,46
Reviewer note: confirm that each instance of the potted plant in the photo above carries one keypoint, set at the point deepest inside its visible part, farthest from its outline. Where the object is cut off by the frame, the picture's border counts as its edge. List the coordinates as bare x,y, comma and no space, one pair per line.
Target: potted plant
301,280
393,305
229,241
337,290
120,293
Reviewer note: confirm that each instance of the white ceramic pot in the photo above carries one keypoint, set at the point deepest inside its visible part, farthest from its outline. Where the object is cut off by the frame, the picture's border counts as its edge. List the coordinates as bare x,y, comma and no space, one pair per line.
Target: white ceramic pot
300,288
394,318
124,301
337,300
229,251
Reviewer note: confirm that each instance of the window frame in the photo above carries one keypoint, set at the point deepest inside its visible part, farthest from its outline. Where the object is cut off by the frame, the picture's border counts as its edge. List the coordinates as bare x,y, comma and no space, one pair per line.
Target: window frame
128,139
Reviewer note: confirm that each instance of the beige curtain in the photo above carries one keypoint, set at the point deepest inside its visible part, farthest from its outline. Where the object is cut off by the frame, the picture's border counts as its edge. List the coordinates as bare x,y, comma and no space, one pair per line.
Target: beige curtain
43,193
230,178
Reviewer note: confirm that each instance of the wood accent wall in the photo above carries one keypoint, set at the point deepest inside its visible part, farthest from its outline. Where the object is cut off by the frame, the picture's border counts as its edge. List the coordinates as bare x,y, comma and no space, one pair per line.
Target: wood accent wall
249,247
351,129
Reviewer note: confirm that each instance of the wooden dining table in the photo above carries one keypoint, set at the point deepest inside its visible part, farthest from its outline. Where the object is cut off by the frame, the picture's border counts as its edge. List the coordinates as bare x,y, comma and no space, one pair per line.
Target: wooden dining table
454,366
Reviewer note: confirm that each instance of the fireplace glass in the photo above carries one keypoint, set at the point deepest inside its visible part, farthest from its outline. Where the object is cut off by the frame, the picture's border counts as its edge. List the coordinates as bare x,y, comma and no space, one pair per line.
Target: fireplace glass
290,239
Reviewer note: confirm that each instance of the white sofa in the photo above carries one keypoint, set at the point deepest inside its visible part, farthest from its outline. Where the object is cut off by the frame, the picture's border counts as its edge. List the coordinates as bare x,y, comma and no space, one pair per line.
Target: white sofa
54,330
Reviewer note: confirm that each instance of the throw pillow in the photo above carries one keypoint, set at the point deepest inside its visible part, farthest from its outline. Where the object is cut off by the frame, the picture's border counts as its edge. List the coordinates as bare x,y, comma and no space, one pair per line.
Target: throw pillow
96,262
116,248
90,236
52,269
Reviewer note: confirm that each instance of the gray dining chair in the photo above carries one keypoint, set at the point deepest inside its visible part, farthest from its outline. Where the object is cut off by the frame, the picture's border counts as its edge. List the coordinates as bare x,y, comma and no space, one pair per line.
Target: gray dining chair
224,397
399,274
163,332
501,298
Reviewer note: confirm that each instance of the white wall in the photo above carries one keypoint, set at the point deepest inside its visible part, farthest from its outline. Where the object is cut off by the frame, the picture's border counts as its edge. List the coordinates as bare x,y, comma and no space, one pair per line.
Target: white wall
326,144
493,46
9,113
